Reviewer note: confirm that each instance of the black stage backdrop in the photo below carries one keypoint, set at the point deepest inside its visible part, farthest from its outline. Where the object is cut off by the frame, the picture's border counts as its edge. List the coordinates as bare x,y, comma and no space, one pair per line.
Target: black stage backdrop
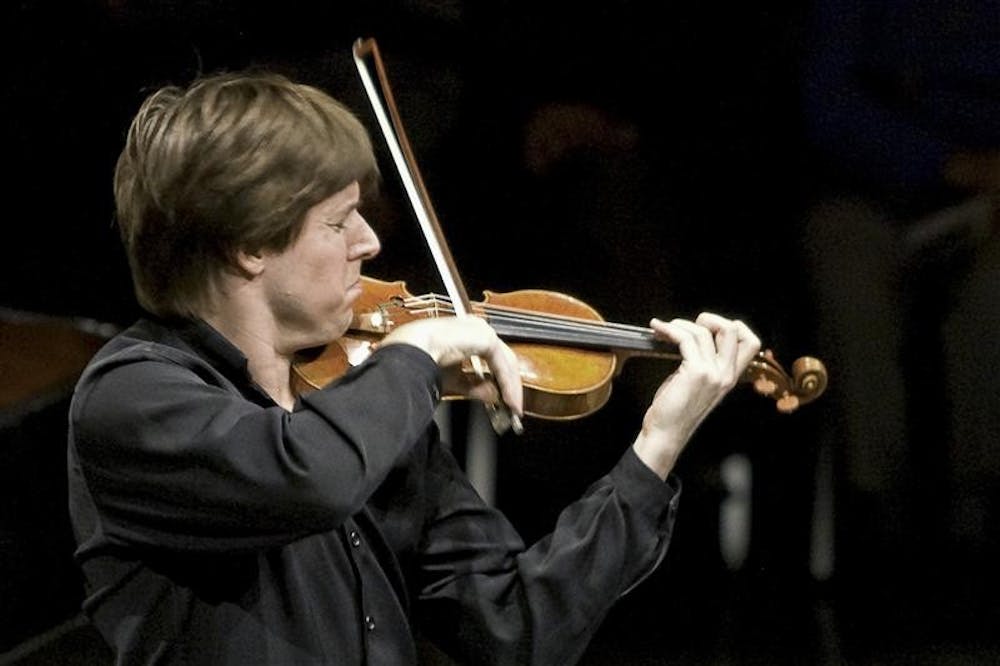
647,159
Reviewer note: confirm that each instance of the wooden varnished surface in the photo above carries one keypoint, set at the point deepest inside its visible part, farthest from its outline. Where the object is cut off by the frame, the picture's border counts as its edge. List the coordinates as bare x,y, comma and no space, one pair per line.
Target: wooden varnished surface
40,356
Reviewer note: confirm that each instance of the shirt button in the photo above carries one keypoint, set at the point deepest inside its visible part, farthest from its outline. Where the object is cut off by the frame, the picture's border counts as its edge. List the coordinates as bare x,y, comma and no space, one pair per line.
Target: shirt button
369,623
355,539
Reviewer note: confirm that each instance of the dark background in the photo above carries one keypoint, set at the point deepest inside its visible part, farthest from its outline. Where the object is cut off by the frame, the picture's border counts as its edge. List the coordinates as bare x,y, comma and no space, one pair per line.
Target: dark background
680,189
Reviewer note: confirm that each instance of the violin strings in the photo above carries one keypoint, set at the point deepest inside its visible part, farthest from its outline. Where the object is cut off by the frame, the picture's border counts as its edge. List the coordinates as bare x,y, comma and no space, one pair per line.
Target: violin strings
546,326
436,300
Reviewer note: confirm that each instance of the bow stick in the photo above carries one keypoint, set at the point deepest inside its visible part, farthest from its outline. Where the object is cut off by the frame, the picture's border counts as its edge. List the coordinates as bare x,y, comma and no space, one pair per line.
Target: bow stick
384,107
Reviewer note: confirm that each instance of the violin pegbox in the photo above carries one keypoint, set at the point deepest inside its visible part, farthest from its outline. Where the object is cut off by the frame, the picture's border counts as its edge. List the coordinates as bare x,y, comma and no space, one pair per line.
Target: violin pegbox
807,381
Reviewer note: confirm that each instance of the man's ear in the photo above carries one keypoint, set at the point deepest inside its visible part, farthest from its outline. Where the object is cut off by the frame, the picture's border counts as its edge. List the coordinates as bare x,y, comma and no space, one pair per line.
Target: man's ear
249,264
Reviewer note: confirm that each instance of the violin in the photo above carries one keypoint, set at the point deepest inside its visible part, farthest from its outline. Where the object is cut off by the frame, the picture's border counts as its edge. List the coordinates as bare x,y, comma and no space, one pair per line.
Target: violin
567,354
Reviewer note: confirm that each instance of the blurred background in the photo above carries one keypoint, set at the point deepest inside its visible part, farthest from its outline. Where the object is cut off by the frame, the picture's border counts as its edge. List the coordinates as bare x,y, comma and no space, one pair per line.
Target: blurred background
827,171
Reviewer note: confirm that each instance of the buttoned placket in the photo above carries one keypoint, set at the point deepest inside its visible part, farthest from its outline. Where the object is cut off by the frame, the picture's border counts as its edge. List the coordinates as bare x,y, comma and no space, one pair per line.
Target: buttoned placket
355,541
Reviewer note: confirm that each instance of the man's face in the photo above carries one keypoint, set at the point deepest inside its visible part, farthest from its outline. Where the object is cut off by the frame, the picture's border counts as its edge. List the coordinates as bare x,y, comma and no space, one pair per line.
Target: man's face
312,285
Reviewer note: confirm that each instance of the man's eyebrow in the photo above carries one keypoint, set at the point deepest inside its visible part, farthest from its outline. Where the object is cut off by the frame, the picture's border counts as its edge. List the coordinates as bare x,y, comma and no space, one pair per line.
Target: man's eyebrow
342,208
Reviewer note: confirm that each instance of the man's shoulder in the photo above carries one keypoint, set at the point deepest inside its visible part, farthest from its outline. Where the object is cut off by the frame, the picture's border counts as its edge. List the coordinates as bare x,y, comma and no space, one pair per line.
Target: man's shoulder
144,340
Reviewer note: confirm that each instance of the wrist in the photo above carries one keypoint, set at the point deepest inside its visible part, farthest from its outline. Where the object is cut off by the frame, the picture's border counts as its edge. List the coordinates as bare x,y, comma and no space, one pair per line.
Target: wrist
658,451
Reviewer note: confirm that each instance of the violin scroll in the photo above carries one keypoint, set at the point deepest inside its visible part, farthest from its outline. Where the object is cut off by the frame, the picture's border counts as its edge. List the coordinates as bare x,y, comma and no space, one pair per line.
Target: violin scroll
806,382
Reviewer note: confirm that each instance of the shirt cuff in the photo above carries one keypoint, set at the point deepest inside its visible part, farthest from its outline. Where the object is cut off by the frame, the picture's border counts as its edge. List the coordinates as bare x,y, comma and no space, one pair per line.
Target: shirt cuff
425,369
643,489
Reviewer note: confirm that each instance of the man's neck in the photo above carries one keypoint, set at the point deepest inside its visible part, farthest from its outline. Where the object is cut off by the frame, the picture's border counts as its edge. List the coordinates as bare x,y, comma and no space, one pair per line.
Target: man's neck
255,334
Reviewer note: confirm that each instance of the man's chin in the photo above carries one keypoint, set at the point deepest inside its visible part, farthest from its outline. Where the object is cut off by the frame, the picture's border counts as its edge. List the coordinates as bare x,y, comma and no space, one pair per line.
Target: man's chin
322,336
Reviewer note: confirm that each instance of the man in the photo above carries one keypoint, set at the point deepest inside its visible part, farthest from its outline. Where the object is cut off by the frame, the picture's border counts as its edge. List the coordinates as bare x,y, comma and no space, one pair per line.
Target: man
223,519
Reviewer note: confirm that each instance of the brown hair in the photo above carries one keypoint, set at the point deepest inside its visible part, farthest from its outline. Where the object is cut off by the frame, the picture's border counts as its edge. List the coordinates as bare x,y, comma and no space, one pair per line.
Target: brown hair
233,162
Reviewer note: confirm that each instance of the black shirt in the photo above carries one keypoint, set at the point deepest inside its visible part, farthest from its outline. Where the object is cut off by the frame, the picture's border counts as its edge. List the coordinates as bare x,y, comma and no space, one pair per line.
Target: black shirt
215,527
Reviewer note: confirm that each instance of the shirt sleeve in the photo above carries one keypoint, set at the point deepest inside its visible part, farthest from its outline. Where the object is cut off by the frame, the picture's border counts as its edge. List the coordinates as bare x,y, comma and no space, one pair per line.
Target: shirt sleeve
174,457
507,604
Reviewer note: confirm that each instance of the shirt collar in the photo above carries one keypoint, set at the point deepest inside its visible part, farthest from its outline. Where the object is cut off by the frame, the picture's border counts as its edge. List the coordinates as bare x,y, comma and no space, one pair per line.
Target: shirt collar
214,347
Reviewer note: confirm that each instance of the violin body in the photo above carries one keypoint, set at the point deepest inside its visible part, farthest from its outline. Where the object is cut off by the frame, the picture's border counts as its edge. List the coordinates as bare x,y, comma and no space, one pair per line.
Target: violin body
560,382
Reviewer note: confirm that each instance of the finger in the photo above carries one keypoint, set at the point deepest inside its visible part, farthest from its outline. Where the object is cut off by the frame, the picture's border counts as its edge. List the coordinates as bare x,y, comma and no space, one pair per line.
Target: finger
749,344
457,380
504,367
726,332
694,342
481,340
727,344
482,390
506,370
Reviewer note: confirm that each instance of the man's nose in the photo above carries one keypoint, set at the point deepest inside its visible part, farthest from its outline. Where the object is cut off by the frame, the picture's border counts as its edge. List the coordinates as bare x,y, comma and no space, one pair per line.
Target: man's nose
368,244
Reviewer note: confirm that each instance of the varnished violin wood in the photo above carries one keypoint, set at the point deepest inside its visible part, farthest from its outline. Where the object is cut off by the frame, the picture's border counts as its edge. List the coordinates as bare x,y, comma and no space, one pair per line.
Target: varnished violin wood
561,380
317,368
806,383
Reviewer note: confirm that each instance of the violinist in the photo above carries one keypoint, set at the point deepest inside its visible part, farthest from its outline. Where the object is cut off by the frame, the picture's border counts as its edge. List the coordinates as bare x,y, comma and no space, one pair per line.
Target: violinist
223,519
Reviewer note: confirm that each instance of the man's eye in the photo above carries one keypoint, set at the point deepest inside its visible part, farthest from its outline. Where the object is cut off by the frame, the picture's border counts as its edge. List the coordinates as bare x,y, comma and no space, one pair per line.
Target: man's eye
337,226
